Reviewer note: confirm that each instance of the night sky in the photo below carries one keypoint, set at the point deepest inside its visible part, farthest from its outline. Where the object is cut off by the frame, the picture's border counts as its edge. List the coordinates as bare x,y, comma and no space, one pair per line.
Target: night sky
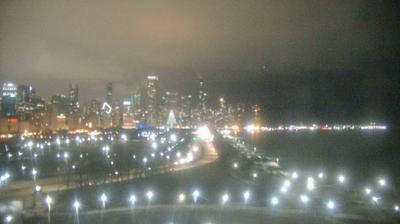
311,61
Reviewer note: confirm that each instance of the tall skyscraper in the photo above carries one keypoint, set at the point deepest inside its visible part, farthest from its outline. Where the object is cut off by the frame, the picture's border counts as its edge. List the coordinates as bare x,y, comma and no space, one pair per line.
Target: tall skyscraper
73,98
25,101
9,92
151,101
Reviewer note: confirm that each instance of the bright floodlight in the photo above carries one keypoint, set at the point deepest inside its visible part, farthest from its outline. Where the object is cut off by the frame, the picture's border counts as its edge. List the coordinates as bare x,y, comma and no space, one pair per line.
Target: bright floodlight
181,198
274,201
341,179
382,182
330,205
149,195
77,205
246,196
396,208
37,188
8,218
195,195
304,199
235,165
321,175
224,199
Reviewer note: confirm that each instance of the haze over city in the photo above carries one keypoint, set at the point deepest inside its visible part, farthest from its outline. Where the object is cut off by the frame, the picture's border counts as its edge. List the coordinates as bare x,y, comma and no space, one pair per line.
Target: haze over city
208,112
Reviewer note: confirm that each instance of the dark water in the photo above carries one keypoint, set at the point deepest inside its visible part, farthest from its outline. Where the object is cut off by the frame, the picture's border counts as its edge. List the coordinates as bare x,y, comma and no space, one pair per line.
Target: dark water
361,154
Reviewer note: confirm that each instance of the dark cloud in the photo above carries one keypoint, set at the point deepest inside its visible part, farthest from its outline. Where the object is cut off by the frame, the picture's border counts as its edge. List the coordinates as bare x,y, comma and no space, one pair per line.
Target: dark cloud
93,42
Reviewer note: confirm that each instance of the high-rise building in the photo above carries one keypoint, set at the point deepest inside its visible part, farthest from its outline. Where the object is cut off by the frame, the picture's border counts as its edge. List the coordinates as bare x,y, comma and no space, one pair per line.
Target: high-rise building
73,98
25,101
9,92
185,112
151,101
128,121
202,97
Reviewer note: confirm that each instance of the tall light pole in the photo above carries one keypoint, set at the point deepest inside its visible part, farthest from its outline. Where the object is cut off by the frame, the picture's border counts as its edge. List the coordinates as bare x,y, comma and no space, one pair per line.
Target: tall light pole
77,206
49,201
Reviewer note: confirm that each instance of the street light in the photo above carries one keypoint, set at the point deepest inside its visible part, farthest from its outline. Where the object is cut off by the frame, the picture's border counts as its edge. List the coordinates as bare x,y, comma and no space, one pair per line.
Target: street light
246,196
382,182
149,196
195,195
77,206
103,199
8,219
48,201
274,201
181,198
331,205
225,198
341,179
132,199
304,199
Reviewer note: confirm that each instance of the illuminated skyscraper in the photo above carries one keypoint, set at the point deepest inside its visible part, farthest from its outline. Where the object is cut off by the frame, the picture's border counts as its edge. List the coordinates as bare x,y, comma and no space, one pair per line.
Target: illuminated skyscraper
9,94
25,101
151,101
73,98
202,98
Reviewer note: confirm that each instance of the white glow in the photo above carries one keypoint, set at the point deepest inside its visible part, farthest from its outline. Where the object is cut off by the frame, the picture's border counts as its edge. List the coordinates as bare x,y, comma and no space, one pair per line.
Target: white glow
8,218
321,175
77,205
331,205
304,199
195,195
204,133
274,201
382,182
48,200
295,175
375,199
103,198
124,137
310,184
34,172
396,208
149,195
367,191
235,165
341,179
173,138
132,199
225,199
181,198
37,188
246,196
